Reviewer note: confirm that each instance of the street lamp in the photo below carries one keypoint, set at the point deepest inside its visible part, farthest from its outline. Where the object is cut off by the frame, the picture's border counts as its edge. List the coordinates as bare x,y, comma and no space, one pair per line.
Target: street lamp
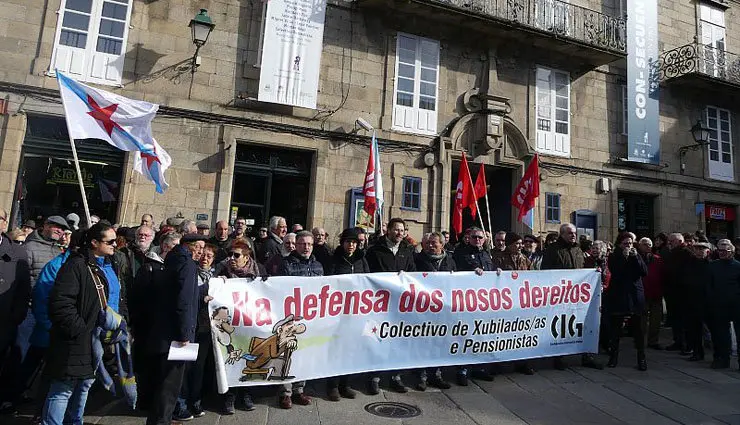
700,133
200,27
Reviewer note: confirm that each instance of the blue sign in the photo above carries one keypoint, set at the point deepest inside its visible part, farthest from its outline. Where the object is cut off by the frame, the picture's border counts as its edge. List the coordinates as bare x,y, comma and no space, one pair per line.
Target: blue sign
643,117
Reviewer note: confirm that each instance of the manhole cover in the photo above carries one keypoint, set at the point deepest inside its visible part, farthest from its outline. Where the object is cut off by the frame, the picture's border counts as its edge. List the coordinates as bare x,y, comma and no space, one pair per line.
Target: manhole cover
388,409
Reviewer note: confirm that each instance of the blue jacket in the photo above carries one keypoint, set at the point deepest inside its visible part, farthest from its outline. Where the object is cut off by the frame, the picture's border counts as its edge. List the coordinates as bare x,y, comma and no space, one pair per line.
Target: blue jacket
40,300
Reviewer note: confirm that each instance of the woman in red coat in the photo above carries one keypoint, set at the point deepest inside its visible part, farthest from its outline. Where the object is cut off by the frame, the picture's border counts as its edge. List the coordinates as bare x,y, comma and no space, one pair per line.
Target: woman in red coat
653,284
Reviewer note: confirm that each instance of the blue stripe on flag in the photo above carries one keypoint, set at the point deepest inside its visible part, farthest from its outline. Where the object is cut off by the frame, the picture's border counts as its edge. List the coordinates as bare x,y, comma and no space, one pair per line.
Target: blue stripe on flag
80,92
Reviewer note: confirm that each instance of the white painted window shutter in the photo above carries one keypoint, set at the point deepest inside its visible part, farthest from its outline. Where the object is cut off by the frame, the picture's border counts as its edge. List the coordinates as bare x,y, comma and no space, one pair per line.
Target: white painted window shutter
552,92
720,148
415,94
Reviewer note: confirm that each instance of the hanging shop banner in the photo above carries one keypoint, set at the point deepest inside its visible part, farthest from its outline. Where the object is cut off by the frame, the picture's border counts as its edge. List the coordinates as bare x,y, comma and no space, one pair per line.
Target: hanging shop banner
643,118
289,329
291,52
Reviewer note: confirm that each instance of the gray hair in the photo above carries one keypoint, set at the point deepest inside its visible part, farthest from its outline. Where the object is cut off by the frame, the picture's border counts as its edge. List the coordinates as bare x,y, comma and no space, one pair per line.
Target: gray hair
275,221
184,227
676,236
437,235
725,245
303,234
646,241
140,228
565,227
288,236
171,239
601,246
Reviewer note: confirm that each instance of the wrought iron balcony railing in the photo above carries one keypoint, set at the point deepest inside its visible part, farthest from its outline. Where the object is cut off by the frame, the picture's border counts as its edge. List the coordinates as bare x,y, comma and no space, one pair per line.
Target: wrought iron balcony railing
556,17
697,58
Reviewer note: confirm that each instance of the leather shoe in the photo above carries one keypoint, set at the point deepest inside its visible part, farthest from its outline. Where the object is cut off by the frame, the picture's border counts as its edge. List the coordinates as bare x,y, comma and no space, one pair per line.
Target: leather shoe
422,385
373,387
397,386
439,383
462,379
333,394
347,392
301,399
285,402
592,363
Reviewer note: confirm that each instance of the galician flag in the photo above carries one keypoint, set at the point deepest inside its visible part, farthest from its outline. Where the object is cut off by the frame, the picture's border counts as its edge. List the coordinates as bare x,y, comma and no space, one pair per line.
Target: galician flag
124,123
373,187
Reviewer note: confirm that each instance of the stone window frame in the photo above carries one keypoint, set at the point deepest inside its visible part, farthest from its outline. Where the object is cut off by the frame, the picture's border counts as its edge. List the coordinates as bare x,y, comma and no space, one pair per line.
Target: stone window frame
411,180
92,66
551,210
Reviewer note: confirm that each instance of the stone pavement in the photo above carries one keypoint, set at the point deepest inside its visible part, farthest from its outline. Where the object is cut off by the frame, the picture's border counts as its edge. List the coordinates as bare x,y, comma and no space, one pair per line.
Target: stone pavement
672,391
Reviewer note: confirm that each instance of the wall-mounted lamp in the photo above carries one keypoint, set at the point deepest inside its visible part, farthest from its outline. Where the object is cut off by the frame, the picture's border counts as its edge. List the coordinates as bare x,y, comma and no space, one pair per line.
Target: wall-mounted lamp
200,27
700,133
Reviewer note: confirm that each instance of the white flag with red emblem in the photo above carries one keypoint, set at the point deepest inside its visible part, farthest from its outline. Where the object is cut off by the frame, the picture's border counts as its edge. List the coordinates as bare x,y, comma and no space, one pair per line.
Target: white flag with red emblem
124,123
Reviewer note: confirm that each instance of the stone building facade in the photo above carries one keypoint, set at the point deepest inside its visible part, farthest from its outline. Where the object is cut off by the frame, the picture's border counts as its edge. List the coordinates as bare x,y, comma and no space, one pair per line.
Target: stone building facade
497,80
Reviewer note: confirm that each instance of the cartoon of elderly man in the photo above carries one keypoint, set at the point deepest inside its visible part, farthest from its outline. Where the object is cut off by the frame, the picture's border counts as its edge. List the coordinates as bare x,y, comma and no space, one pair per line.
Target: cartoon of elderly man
275,351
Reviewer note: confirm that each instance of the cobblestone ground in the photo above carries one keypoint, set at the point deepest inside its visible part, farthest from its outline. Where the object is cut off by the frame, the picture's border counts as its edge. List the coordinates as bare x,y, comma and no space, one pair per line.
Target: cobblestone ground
672,391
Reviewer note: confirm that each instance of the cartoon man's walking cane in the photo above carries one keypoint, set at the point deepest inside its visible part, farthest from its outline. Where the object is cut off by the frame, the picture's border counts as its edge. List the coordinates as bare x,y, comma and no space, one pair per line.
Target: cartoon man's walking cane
286,364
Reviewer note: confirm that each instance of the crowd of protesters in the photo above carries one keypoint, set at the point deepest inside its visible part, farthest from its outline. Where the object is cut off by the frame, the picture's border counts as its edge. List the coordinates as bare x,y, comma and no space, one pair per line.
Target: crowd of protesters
74,301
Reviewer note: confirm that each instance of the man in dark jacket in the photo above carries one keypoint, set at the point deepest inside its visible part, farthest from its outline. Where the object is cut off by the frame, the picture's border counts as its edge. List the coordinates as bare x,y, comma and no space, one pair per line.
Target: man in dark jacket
221,241
132,256
391,253
321,249
677,262
173,323
565,254
300,262
473,256
271,246
433,258
724,302
15,290
75,306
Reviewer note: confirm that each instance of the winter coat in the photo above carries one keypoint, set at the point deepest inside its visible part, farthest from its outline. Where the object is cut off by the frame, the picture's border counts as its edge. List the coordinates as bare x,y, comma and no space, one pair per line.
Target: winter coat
15,288
724,284
507,261
380,258
129,258
653,282
341,264
175,302
676,268
600,263
625,294
536,260
40,300
74,307
468,258
223,249
425,263
270,247
40,251
562,255
695,292
324,256
295,265
141,299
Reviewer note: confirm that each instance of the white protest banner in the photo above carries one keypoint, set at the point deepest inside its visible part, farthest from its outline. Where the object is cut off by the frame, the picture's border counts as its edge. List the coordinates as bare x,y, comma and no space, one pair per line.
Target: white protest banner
291,52
297,328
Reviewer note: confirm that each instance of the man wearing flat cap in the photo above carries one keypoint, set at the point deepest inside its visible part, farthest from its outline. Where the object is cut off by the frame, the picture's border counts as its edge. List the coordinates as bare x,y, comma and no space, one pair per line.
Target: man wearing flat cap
724,302
43,244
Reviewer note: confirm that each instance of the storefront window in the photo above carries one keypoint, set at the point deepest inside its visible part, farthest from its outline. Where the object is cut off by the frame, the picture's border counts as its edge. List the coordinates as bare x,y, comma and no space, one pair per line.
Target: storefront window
720,221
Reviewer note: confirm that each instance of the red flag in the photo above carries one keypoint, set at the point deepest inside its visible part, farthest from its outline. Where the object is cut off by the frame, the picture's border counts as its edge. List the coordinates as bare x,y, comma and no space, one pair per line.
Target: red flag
464,196
480,183
368,188
528,189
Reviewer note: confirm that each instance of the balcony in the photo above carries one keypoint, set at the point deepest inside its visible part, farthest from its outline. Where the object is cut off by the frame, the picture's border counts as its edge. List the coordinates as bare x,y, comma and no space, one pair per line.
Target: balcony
700,66
560,27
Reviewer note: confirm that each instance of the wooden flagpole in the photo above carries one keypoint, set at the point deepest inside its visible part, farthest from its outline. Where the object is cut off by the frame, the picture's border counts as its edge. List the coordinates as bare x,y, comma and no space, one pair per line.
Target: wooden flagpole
488,211
79,179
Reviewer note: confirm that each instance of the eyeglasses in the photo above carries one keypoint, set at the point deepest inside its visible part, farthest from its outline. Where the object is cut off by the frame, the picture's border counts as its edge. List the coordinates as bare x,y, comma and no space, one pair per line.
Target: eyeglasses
3,218
110,242
236,255
476,237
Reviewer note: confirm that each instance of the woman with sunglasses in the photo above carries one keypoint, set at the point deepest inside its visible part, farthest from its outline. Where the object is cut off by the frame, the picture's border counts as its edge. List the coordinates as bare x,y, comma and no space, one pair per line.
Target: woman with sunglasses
239,264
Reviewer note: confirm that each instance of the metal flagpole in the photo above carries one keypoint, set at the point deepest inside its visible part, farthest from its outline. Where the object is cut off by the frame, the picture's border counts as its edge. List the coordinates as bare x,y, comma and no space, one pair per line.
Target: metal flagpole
79,179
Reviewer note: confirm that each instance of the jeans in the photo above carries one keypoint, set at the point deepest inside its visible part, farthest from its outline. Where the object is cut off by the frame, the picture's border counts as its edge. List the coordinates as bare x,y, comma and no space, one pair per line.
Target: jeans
65,403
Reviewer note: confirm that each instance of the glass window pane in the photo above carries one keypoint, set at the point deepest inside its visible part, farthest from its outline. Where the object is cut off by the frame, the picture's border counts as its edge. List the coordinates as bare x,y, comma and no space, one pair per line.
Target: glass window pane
114,10
73,39
406,70
713,144
543,124
561,115
561,102
110,46
417,186
712,122
429,60
428,89
416,201
81,5
725,126
726,147
76,21
427,103
726,158
561,128
407,43
711,113
724,115
406,85
407,201
112,28
406,185
428,75
407,56
714,155
405,99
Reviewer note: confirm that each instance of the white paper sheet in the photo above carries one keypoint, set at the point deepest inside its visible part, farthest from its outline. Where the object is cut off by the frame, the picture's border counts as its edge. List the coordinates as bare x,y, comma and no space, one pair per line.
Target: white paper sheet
187,353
